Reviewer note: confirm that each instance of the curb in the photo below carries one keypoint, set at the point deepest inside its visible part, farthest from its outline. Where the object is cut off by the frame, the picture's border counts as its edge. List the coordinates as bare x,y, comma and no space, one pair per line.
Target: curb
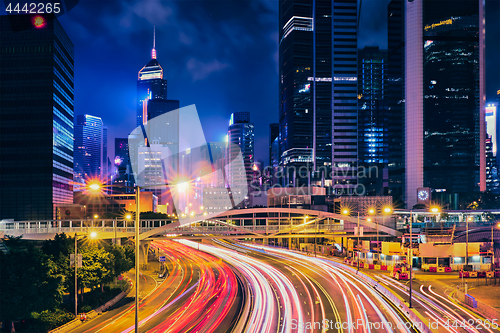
475,310
96,312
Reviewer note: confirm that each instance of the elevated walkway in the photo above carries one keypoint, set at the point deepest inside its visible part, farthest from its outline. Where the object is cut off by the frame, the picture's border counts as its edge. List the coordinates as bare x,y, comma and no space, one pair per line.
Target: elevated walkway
237,223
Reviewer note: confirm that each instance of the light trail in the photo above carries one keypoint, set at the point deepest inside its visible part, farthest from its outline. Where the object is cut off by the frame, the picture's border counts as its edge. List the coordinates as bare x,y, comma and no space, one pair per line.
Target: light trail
263,280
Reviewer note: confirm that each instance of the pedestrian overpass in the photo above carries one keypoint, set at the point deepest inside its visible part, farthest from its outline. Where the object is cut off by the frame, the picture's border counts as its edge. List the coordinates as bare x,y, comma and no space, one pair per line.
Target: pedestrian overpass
236,223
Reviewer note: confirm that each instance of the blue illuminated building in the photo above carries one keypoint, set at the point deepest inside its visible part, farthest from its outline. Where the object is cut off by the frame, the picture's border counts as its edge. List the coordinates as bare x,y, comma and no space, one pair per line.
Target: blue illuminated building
36,112
88,148
318,92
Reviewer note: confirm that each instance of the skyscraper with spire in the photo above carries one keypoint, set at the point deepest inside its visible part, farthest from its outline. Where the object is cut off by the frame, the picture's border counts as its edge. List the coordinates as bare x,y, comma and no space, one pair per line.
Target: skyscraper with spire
152,102
150,85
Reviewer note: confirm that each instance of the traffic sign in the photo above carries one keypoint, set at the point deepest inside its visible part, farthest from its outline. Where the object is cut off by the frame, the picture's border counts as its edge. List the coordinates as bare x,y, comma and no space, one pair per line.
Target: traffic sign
162,259
72,260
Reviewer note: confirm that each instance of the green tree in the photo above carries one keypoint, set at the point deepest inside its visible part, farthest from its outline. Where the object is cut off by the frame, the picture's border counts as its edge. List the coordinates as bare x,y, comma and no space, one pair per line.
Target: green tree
97,266
419,206
445,216
123,259
29,283
153,215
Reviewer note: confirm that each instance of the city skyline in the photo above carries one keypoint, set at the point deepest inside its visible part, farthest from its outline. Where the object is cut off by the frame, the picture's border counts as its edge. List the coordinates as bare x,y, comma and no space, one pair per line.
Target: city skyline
195,64
123,209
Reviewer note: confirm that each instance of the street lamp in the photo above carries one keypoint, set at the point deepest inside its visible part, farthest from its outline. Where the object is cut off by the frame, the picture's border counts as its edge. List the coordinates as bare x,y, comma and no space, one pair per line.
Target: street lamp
372,211
346,211
93,234
97,187
386,211
492,245
469,219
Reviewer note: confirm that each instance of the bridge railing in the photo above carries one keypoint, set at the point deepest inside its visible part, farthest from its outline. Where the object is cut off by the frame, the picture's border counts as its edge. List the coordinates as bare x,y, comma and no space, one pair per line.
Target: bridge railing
123,226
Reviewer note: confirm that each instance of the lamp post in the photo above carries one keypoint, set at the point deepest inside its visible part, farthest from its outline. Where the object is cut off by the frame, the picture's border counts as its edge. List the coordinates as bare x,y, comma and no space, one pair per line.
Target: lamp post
493,246
92,235
137,221
98,187
469,218
346,211
372,211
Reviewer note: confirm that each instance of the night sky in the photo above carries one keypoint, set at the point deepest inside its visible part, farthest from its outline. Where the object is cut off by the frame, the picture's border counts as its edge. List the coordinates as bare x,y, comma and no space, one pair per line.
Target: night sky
221,56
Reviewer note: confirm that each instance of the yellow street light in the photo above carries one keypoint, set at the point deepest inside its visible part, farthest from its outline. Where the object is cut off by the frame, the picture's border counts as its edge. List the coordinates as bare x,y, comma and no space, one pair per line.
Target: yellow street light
371,211
95,186
387,210
369,219
345,211
93,234
96,216
435,209
128,216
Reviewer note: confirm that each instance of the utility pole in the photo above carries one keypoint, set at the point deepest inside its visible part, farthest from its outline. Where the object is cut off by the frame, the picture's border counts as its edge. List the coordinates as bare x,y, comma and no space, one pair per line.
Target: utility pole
359,231
76,275
137,222
411,254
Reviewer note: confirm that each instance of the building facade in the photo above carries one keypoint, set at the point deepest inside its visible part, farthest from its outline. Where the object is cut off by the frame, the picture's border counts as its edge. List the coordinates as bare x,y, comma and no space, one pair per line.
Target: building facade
88,148
162,133
445,97
318,91
36,112
373,119
240,138
395,97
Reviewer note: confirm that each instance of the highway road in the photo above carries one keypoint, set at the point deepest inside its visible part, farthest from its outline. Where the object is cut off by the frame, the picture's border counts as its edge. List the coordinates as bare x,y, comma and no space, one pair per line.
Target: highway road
306,294
433,304
200,294
237,287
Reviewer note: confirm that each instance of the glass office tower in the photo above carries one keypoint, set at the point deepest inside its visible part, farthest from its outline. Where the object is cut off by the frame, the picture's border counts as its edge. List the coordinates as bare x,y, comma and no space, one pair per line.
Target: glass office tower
241,134
445,97
373,118
36,117
318,91
88,148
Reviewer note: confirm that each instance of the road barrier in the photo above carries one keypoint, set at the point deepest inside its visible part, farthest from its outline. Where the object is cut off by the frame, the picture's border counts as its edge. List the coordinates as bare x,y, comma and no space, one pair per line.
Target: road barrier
477,306
92,314
412,316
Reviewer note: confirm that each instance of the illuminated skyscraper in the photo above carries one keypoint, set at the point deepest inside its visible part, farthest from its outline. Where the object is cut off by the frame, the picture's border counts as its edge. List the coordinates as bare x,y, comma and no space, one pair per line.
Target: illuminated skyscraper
36,117
373,119
88,148
241,134
445,96
318,90
150,85
491,125
152,102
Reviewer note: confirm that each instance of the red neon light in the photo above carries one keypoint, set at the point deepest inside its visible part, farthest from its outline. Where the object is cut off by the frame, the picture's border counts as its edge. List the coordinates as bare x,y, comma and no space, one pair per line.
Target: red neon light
39,22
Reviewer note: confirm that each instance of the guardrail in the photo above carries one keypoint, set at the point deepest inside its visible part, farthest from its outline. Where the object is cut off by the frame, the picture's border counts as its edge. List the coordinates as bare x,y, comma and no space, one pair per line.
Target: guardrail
412,316
477,306
110,226
76,322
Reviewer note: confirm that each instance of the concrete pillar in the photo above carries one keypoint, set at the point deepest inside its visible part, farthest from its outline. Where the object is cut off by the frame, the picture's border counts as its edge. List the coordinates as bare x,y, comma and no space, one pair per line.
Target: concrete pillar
143,253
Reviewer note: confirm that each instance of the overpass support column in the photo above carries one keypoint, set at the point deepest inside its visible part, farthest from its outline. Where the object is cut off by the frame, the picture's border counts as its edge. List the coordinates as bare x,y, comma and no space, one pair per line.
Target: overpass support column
290,243
143,254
